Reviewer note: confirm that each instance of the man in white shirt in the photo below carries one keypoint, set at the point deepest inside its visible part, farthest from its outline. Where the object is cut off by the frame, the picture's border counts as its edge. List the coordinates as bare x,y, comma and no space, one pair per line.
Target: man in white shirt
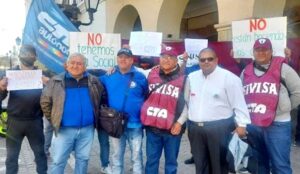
216,107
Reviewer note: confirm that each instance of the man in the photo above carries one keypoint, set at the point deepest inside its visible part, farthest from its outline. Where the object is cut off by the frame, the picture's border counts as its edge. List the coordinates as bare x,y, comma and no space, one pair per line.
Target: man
127,89
216,107
161,112
24,117
272,89
71,101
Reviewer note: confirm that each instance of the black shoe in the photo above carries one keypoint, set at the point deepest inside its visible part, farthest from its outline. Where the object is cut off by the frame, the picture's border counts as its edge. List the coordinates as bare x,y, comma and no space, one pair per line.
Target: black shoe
189,161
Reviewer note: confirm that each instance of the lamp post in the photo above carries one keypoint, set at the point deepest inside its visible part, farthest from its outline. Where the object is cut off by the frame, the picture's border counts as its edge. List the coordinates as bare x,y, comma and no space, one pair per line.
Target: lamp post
72,11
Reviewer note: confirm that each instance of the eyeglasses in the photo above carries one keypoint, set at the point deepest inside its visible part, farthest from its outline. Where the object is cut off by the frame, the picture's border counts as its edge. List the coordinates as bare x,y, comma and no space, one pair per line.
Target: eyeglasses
209,59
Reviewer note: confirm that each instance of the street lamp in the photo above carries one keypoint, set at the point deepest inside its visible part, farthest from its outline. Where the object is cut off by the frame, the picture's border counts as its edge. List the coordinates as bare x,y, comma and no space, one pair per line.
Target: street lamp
72,11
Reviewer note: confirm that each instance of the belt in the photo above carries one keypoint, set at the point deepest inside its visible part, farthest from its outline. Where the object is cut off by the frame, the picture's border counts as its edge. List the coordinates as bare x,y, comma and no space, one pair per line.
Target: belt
210,123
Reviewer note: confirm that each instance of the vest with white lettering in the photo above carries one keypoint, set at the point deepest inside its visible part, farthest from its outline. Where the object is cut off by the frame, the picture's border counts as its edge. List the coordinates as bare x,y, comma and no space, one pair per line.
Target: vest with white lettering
262,92
159,109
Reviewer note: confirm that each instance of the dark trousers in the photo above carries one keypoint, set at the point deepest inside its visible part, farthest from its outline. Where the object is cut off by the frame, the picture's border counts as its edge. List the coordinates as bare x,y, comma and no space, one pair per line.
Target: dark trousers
297,132
16,131
209,144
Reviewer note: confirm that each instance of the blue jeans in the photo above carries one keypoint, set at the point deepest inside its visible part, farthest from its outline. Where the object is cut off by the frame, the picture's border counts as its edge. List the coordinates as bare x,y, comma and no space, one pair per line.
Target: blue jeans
48,133
68,139
272,147
155,143
103,139
134,137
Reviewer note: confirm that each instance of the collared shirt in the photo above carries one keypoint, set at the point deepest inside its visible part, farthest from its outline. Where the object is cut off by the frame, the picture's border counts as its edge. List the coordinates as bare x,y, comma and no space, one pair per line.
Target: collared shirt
216,96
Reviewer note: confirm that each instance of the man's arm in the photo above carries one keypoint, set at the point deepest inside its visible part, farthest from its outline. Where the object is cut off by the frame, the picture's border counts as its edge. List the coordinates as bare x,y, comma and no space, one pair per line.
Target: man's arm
46,99
176,128
292,82
234,90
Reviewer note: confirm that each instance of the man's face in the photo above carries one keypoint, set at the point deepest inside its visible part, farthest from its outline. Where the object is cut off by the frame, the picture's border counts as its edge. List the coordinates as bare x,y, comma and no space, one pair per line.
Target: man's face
262,55
167,63
75,66
208,62
124,62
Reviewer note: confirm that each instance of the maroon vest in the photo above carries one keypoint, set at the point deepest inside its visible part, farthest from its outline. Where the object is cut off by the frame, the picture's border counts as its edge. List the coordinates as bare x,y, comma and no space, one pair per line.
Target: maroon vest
160,107
262,92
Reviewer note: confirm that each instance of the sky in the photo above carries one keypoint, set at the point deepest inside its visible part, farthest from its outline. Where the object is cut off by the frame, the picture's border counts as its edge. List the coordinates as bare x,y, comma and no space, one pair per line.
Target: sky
12,20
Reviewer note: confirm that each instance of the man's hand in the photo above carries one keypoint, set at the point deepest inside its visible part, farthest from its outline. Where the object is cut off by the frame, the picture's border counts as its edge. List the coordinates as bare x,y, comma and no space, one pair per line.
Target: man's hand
176,128
185,56
288,53
45,80
110,71
241,131
3,84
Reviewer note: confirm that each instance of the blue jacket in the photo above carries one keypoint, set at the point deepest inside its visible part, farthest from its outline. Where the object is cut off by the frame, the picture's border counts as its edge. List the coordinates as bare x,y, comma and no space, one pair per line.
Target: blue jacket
78,107
116,86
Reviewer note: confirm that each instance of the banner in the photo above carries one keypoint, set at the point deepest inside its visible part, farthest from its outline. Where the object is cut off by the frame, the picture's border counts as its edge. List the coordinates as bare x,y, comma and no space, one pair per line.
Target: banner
100,49
145,43
47,29
244,34
193,48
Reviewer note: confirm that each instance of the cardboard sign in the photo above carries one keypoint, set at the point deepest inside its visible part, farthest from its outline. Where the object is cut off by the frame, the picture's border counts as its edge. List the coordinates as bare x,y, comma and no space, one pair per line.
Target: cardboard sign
145,43
193,47
100,49
244,34
24,79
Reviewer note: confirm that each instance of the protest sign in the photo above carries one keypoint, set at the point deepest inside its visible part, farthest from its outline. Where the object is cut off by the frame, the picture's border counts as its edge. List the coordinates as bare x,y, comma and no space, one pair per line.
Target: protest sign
24,79
244,34
100,49
193,47
145,43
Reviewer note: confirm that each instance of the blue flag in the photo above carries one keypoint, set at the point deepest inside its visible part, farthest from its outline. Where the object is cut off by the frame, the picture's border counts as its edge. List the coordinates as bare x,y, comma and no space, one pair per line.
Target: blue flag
47,29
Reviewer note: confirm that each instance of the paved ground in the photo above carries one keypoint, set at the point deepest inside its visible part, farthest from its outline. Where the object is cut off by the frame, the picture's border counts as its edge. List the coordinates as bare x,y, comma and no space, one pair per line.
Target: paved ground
27,165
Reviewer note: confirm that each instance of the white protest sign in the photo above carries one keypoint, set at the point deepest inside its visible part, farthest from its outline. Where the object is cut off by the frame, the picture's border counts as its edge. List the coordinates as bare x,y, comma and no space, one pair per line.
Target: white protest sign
24,79
100,49
193,47
244,34
145,43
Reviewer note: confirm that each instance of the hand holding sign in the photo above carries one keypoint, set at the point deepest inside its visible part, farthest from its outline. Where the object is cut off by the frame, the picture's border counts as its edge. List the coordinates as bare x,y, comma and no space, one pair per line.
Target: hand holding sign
24,79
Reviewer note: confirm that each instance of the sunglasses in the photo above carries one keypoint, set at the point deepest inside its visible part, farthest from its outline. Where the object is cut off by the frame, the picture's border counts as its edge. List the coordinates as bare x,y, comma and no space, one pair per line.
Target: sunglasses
209,59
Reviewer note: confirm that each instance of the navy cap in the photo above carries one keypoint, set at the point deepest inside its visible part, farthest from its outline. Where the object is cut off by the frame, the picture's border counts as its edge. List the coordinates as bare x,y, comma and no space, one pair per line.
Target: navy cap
125,51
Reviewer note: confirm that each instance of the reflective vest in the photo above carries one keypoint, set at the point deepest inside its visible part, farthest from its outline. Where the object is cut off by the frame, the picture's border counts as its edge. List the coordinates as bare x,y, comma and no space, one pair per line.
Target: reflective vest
262,92
159,109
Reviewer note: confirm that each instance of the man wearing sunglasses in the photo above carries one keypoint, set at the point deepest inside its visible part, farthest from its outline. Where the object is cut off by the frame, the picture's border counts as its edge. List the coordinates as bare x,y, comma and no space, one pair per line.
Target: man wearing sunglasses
216,107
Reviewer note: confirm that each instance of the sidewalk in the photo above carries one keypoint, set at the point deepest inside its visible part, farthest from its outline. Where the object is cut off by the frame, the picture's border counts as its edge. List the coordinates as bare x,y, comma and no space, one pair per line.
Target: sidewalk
27,165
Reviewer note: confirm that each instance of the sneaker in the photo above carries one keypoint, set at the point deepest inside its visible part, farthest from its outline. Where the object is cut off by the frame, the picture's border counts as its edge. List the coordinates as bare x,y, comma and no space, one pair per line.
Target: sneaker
189,161
106,170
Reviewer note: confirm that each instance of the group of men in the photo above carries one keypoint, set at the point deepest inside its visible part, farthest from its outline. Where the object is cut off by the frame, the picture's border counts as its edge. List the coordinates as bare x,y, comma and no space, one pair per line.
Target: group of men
213,101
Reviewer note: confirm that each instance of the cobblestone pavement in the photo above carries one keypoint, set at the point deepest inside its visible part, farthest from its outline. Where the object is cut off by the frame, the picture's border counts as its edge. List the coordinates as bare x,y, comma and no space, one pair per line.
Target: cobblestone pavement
27,165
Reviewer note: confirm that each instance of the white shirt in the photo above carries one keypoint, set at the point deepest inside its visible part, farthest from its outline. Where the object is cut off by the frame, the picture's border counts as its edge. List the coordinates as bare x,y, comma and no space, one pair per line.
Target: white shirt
217,96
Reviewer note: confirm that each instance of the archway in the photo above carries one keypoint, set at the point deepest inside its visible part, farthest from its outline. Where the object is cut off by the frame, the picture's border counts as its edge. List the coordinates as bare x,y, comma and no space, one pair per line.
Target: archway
128,20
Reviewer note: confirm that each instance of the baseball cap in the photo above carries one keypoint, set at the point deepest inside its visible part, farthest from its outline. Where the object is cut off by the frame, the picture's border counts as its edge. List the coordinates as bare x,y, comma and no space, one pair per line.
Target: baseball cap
262,43
125,51
169,51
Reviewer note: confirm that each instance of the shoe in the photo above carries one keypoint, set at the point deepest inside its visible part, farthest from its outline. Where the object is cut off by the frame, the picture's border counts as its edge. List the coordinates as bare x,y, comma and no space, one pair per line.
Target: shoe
189,161
106,170
243,170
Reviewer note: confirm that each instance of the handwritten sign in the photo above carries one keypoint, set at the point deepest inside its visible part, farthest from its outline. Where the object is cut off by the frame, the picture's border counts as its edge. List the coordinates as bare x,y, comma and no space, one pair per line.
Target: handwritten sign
100,49
24,79
244,34
145,43
193,47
